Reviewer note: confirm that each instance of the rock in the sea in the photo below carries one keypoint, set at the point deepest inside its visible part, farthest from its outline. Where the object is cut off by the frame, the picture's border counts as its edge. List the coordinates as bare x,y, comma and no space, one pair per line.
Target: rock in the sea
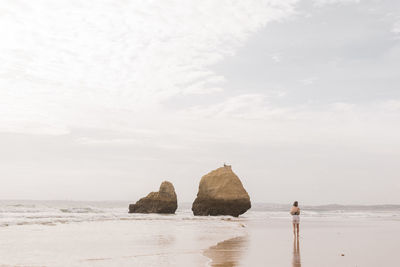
221,193
163,201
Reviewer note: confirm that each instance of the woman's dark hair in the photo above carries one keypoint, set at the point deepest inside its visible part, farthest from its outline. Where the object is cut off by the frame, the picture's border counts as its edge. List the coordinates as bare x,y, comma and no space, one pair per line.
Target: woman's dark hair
296,204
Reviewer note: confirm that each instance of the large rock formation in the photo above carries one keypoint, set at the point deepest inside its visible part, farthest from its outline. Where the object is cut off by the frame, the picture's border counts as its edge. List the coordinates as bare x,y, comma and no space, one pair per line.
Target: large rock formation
163,201
221,193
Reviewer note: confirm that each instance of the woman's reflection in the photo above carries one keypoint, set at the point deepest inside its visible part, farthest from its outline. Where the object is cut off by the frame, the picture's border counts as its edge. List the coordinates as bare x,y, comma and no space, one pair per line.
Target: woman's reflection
296,262
227,253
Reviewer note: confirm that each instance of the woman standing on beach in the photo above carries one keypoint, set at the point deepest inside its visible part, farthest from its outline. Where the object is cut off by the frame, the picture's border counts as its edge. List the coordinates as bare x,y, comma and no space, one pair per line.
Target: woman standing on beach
295,212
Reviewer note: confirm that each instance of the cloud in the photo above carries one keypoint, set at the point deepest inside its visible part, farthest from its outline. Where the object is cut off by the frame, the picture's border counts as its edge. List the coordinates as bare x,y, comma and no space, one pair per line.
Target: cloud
244,106
112,141
68,64
390,105
396,28
342,107
276,57
308,81
330,2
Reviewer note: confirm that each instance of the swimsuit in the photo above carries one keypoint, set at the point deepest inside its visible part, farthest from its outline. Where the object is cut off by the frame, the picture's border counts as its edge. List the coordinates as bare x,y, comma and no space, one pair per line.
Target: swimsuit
296,219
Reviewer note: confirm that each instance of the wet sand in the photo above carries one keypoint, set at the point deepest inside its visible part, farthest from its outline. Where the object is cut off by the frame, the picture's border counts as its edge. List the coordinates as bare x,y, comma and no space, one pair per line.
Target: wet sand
227,253
162,242
322,242
167,241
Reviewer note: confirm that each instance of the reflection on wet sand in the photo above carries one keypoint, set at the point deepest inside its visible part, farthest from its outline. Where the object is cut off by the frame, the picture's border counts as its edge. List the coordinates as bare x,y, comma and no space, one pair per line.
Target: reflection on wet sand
296,262
228,252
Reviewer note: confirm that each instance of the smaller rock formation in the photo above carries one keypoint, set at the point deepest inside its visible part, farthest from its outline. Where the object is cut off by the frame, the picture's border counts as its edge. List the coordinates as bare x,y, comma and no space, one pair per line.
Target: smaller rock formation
221,193
163,201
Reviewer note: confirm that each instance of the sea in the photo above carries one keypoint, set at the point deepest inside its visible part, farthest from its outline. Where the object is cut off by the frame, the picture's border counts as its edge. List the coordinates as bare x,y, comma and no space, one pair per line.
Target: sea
26,212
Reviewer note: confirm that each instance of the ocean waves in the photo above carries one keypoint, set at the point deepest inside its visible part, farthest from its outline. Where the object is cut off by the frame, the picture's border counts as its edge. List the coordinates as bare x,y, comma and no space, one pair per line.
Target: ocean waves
50,213
55,212
14,213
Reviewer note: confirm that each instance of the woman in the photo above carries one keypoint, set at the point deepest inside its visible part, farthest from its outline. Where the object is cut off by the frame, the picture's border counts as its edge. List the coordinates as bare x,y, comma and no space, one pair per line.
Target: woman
295,212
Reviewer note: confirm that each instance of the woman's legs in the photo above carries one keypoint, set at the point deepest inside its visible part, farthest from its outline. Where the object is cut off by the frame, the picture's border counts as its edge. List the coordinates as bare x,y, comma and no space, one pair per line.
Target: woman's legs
298,227
294,229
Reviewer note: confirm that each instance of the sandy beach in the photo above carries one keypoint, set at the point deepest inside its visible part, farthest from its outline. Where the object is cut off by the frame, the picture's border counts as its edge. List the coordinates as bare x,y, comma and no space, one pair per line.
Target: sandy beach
111,243
104,234
50,234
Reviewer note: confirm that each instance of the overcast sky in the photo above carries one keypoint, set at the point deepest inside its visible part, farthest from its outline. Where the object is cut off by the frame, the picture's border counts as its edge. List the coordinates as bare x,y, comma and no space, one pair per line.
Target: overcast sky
105,99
